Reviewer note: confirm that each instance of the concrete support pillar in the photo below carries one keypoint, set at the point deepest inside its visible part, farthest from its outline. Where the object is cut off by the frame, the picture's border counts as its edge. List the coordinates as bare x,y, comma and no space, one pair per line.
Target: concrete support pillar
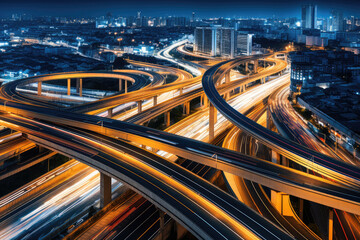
227,80
39,86
301,209
284,161
167,118
256,64
205,101
331,224
110,113
246,66
186,108
162,223
227,77
126,86
154,100
68,86
268,119
120,84
281,201
275,157
105,190
212,121
139,104
79,86
41,149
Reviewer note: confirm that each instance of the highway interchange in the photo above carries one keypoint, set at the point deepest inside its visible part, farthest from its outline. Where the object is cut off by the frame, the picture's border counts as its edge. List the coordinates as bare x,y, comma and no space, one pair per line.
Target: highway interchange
205,210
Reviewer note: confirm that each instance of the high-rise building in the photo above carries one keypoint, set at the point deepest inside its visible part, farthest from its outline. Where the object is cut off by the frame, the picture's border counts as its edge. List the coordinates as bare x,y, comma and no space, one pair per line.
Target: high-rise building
309,16
225,44
336,21
221,41
244,44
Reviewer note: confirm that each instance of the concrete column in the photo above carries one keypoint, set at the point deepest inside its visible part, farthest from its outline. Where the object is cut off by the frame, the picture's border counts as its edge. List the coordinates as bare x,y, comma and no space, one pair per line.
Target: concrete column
162,214
281,201
79,86
69,86
256,64
284,161
227,77
120,84
186,108
154,100
105,190
39,86
246,66
139,104
167,118
205,99
41,149
268,119
227,80
275,157
212,121
126,86
331,224
301,209
110,113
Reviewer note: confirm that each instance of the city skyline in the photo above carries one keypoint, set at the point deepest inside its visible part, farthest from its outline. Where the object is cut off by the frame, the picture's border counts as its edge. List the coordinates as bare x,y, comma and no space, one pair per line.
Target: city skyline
229,8
156,120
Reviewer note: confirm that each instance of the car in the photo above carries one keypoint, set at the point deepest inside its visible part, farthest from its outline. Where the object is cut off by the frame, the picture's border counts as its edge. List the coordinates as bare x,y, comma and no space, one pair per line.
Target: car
80,221
70,228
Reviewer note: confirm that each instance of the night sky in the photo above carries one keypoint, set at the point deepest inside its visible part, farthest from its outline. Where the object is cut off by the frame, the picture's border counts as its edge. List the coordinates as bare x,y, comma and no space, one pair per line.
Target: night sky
203,8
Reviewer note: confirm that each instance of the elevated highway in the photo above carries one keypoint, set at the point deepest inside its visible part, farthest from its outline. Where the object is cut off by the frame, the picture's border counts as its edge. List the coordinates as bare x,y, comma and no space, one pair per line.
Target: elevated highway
206,211
268,174
341,172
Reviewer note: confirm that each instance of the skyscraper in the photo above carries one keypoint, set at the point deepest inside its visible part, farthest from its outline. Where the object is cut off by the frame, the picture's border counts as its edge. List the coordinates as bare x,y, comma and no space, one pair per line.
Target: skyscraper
309,16
221,41
336,21
244,43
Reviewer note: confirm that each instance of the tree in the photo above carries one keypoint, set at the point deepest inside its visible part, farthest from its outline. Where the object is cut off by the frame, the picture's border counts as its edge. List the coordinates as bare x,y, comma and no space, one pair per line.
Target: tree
119,63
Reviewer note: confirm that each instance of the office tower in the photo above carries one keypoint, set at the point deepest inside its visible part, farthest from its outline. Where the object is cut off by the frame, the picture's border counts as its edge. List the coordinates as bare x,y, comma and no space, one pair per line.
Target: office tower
221,41
244,44
309,16
336,21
